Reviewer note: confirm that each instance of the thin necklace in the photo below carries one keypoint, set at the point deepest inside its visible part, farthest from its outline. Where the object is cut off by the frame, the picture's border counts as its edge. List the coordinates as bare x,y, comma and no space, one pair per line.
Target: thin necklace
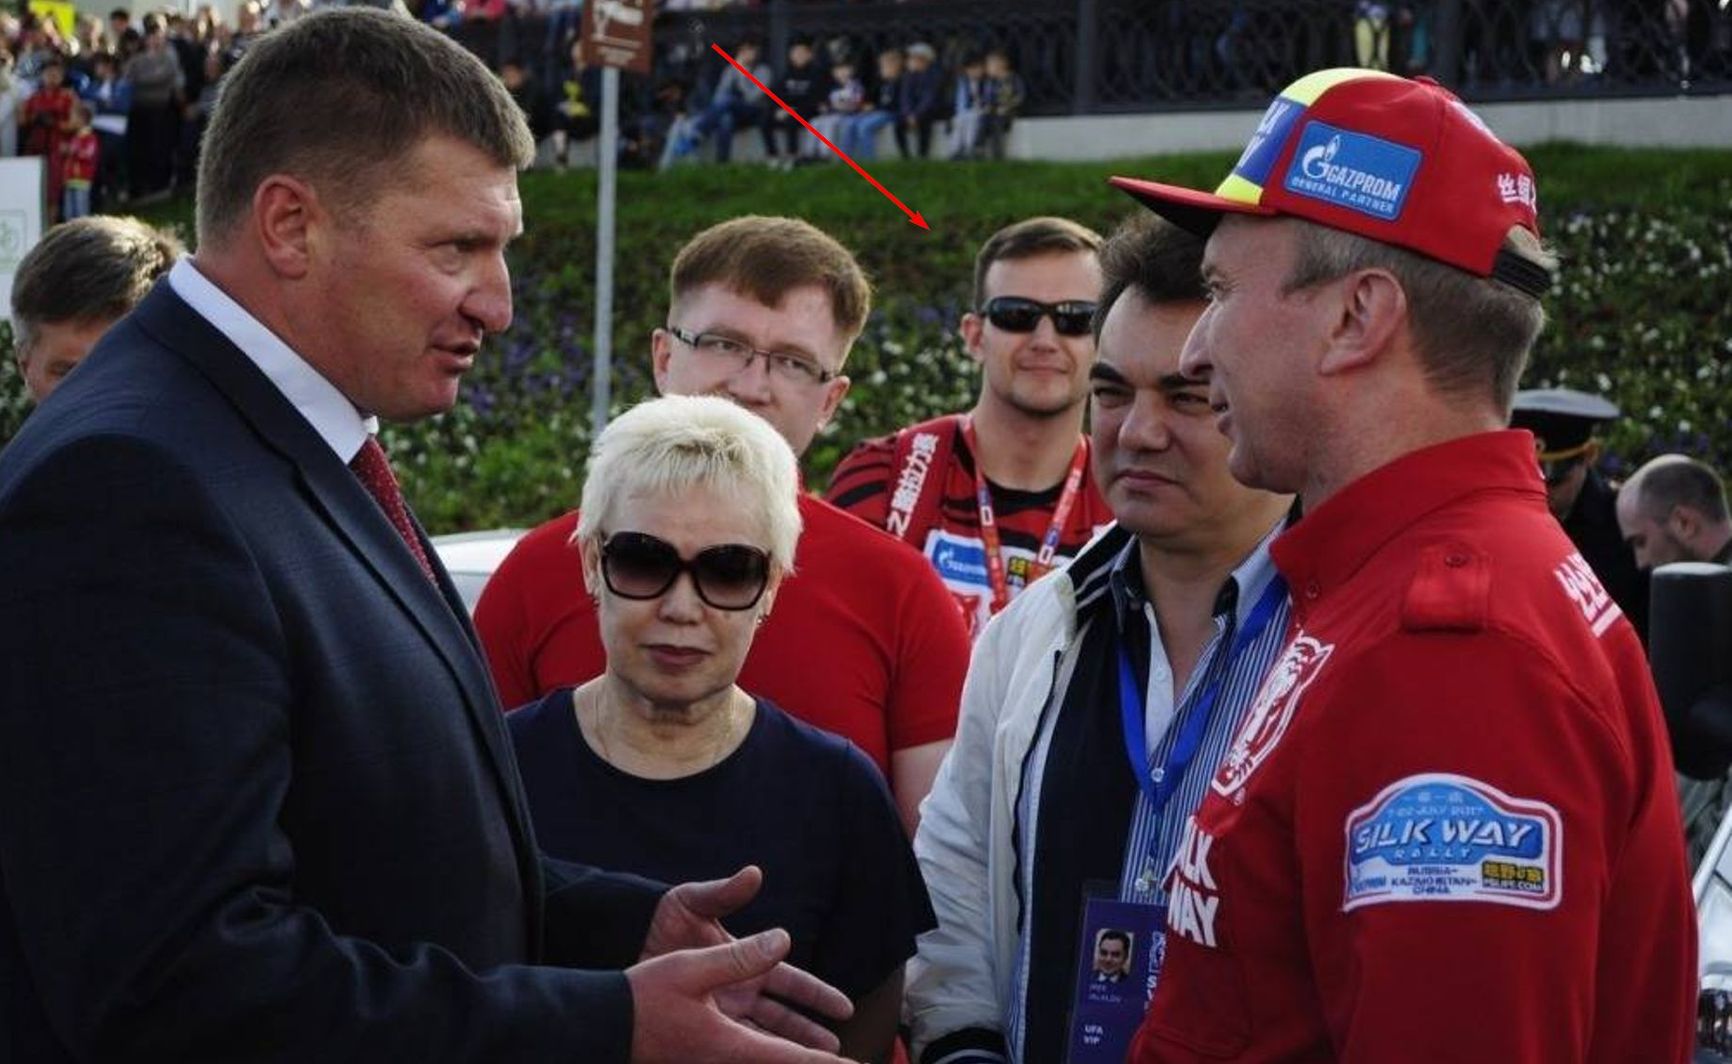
712,757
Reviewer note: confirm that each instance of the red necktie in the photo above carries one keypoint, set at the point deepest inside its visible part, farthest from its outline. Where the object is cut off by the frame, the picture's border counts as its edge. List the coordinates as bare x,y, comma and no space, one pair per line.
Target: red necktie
373,470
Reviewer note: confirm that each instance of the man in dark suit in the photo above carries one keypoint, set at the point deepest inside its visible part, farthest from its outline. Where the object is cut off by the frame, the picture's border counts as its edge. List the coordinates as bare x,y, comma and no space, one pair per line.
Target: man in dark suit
256,798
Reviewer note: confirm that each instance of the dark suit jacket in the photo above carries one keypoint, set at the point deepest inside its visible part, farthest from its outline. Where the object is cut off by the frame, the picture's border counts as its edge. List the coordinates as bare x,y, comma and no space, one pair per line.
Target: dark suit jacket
257,801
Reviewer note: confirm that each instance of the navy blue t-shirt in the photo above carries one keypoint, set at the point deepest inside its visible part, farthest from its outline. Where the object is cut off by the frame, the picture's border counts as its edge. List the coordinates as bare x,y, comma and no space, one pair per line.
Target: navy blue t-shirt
804,805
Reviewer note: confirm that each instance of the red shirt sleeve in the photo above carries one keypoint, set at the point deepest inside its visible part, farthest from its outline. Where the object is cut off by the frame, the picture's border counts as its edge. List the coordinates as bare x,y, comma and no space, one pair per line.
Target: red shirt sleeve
524,609
1524,974
860,483
501,625
930,664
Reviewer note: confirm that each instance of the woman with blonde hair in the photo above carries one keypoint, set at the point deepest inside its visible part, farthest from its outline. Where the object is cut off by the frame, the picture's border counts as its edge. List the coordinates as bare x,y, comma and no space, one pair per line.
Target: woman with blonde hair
663,765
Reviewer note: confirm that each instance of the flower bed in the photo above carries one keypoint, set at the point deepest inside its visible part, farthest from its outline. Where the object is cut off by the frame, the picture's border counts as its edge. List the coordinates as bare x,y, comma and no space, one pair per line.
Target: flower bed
1641,313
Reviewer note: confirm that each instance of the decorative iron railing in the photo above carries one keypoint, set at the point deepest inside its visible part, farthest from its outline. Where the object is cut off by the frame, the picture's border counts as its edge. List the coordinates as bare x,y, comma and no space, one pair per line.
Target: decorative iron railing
1094,56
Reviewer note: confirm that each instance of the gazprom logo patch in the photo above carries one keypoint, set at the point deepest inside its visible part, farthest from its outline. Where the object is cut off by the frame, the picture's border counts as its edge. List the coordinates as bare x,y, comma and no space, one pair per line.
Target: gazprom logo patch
1443,837
959,560
1362,173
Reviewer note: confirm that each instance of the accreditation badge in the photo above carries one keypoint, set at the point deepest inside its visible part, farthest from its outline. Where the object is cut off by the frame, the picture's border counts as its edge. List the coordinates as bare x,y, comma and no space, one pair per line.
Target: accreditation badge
1119,959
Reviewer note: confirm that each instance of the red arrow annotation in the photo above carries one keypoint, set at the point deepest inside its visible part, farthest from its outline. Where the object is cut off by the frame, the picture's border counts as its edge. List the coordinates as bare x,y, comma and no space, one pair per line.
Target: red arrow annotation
913,216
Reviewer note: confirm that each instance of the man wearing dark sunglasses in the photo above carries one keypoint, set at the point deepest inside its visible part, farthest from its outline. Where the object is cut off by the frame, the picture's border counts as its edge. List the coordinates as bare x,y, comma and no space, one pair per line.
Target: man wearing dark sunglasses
1000,495
864,641
1093,777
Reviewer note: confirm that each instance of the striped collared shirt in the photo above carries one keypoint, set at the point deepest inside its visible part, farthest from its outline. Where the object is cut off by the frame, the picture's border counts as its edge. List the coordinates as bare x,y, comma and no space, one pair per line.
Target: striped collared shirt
1113,595
1155,837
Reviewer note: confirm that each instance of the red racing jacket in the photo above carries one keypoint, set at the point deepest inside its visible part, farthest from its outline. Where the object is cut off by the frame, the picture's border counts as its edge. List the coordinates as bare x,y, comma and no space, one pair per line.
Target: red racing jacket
1447,830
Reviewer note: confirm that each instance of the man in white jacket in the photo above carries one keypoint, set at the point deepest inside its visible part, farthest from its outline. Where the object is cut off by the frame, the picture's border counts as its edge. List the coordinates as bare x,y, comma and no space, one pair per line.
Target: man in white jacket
1097,707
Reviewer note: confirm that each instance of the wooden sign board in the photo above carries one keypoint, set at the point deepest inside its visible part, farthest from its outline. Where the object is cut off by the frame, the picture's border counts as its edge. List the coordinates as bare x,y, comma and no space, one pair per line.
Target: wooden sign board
618,33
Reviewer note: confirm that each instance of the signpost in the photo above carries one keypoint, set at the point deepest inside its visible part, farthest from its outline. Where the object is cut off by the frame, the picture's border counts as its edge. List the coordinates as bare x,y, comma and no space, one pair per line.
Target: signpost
23,216
616,35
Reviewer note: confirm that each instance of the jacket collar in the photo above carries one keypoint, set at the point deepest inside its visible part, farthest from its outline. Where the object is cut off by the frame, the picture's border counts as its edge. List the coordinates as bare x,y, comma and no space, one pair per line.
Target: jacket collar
1329,546
325,408
331,487
1090,572
1237,596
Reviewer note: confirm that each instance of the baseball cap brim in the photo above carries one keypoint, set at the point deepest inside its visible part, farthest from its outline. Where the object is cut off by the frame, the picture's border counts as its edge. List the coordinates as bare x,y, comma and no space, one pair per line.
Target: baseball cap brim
1193,211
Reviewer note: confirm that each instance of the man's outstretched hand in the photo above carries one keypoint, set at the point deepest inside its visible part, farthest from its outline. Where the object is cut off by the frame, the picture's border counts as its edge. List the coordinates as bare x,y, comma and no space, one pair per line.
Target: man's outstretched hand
677,1013
700,995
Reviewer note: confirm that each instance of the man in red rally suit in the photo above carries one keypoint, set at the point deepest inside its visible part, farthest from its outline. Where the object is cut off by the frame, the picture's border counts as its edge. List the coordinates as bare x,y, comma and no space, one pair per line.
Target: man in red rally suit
1447,830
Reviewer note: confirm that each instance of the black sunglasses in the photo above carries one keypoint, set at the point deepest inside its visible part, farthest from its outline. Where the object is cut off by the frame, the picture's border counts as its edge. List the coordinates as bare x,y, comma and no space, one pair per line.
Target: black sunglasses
1073,317
637,565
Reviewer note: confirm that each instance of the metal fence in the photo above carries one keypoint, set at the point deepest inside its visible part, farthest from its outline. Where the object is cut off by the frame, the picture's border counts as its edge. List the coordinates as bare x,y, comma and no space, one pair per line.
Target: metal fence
1096,56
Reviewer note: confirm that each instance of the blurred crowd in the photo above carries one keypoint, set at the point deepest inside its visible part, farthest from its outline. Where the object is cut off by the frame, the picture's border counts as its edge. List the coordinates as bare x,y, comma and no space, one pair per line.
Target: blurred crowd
117,106
690,107
1548,42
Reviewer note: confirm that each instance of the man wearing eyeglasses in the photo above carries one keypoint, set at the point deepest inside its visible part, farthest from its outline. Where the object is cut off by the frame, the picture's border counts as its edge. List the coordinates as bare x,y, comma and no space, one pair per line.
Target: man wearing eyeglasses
1000,495
863,641
1564,423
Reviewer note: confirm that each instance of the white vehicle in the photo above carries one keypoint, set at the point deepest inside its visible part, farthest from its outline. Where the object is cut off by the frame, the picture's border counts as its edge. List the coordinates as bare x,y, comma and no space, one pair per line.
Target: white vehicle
1714,927
471,557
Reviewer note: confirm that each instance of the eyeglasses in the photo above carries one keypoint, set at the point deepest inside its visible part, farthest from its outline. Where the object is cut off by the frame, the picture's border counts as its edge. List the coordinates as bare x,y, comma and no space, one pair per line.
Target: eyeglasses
1073,317
640,566
795,369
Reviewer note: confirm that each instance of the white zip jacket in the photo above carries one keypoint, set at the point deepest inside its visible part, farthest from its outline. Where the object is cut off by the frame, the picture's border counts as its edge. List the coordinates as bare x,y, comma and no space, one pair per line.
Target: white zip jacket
959,982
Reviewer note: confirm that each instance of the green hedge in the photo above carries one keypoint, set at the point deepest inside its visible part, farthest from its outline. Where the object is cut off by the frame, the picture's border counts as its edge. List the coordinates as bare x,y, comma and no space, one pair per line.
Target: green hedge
1641,314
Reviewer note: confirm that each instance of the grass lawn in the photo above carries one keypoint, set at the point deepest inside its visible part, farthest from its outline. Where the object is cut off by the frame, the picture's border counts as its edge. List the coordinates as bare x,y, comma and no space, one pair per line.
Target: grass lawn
1641,311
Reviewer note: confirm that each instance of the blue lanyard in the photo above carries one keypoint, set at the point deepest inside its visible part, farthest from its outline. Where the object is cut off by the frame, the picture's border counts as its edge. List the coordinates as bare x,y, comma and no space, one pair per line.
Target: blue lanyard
1161,783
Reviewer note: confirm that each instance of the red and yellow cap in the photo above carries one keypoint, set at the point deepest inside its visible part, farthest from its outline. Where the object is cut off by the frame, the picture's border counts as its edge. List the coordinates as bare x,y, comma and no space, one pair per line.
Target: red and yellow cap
1393,159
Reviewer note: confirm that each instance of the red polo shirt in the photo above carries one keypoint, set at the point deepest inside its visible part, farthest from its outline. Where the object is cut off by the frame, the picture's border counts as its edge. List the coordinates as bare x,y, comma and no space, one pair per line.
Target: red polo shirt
864,640
1447,830
948,530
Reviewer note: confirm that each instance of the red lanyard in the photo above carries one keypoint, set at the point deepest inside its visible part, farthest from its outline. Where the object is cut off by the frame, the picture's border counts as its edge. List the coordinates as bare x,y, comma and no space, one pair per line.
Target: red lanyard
1043,561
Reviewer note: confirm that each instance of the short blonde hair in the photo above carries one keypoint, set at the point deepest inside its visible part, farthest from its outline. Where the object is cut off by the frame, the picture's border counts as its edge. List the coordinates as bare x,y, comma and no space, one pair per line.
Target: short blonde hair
678,442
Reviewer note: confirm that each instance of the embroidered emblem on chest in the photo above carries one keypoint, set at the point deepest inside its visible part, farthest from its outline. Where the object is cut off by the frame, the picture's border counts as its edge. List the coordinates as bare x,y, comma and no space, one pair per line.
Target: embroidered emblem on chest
1267,720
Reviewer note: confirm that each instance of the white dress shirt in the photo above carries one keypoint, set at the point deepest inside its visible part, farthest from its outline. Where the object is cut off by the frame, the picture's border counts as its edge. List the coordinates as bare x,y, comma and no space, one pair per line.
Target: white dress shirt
328,410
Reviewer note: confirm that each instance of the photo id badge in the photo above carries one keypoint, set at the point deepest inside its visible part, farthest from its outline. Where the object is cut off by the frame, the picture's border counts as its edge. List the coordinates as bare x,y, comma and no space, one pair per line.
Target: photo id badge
1118,960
